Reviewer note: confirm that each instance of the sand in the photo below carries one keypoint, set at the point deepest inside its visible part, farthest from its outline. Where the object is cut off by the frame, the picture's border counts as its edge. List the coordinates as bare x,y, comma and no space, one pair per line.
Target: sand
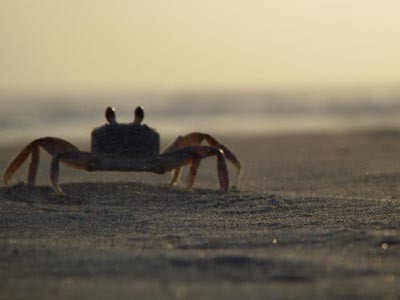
317,217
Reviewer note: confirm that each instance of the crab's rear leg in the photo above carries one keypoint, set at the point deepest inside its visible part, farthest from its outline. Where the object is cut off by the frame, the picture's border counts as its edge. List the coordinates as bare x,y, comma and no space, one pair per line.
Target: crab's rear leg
53,146
196,138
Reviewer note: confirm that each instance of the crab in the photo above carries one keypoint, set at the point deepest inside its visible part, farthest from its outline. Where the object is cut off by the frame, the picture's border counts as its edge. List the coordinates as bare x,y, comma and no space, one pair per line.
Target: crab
128,147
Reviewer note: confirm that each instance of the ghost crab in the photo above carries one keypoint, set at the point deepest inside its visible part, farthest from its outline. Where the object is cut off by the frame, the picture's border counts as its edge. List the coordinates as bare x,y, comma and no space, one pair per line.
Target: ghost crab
130,147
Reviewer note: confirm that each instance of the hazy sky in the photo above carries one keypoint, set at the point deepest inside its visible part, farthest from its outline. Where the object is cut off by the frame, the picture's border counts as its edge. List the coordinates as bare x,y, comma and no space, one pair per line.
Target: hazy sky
94,45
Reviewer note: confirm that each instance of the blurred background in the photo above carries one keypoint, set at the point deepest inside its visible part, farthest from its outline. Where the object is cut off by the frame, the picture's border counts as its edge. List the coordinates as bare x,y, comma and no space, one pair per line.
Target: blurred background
225,67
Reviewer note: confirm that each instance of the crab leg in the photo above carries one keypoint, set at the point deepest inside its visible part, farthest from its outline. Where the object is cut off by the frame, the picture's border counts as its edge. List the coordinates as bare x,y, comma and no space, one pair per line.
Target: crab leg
193,172
52,145
33,166
196,138
16,163
175,176
174,160
77,160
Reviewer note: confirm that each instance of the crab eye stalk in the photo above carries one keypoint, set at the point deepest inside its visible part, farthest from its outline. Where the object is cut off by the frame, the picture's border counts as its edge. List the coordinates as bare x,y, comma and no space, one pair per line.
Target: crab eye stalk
139,115
110,115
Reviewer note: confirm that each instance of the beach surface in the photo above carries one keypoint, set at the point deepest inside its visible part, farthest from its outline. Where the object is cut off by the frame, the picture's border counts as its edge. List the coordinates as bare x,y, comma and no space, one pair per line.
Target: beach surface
317,216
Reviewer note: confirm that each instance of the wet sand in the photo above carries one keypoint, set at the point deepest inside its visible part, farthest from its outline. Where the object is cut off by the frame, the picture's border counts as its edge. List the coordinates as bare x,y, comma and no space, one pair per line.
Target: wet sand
317,216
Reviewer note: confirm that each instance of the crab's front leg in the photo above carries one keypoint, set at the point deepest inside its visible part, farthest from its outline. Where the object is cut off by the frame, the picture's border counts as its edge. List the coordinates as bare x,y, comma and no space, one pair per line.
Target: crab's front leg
193,155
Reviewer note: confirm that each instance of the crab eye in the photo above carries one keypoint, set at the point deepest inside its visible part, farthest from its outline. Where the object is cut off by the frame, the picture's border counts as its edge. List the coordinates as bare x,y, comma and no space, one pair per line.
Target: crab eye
110,114
139,115
139,112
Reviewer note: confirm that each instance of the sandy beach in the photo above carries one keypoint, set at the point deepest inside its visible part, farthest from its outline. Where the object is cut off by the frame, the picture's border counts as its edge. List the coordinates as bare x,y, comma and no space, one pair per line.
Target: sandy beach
316,217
